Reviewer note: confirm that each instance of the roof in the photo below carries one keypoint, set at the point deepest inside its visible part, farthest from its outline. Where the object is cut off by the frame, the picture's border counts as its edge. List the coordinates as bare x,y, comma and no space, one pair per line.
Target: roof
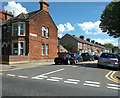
84,41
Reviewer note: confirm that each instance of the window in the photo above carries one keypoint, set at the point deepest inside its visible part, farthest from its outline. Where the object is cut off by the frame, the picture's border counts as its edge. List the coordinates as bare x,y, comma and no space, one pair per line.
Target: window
15,29
9,33
47,49
19,48
43,31
19,29
43,49
4,32
47,33
15,48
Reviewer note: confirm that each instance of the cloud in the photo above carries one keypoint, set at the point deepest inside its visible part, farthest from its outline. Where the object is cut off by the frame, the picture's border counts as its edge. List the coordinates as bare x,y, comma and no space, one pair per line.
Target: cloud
115,44
15,8
65,27
103,41
90,27
60,35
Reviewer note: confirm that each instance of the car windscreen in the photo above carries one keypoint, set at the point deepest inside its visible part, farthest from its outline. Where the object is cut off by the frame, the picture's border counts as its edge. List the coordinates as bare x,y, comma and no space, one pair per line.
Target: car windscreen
107,55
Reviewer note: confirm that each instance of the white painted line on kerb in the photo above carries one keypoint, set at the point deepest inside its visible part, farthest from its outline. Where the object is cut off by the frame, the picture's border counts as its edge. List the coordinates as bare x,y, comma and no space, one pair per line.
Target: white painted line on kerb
70,82
53,80
91,85
92,82
11,75
57,78
113,87
52,72
73,80
22,76
37,78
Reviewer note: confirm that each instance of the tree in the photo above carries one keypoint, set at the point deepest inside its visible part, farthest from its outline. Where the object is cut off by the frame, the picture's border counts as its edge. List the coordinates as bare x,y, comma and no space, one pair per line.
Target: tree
98,51
110,19
109,45
67,46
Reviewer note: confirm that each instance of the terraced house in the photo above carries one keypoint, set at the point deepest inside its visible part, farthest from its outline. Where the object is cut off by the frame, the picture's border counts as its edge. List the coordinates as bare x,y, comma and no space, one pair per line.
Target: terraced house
29,37
79,45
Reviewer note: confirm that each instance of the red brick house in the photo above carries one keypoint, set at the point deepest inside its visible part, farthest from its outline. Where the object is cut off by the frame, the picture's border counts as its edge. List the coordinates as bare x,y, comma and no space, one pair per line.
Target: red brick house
31,36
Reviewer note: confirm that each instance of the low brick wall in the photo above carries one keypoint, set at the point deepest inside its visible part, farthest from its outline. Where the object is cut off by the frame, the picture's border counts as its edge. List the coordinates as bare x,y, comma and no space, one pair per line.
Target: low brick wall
14,59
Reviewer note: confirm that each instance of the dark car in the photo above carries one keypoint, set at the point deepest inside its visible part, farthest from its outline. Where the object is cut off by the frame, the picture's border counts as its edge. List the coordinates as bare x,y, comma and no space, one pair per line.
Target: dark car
64,59
77,57
96,57
87,57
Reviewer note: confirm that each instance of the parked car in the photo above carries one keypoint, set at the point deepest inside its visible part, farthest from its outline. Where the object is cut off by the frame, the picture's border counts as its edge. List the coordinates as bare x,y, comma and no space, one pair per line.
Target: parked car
108,59
87,56
77,57
64,59
96,57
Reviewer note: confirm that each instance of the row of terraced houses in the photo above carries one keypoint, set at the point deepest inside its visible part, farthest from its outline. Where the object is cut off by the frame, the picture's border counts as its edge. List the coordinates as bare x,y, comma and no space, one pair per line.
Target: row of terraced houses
34,37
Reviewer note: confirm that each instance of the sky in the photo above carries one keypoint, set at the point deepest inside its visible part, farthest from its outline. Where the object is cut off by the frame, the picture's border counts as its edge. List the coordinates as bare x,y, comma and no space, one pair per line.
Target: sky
75,18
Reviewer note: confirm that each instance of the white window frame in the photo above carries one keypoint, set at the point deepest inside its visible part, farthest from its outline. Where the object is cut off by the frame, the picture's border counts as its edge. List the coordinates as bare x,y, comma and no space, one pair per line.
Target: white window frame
43,50
18,23
18,41
47,32
47,49
43,31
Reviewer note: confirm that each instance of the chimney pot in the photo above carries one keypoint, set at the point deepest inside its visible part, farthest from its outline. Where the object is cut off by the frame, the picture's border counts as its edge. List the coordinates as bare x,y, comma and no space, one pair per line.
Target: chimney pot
88,39
82,37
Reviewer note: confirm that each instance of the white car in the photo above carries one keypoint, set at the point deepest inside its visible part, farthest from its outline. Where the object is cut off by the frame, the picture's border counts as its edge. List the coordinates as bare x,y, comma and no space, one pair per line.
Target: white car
108,59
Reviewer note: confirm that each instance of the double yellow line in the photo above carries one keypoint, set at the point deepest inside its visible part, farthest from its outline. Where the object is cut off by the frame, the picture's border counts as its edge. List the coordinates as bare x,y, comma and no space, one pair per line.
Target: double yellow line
110,77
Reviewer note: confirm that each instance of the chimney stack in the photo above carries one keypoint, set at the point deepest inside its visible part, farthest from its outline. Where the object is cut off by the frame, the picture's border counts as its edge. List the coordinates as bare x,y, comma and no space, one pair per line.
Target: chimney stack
93,41
82,37
88,39
44,5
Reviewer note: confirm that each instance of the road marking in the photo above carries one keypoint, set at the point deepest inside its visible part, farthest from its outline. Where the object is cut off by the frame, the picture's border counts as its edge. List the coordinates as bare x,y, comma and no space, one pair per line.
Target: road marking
41,76
70,82
57,78
22,76
74,80
52,72
92,85
1,73
110,77
75,66
53,80
92,82
113,87
37,78
11,75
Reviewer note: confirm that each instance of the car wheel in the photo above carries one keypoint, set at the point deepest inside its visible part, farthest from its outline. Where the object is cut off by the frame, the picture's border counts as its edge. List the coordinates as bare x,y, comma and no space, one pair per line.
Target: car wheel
98,65
56,63
68,62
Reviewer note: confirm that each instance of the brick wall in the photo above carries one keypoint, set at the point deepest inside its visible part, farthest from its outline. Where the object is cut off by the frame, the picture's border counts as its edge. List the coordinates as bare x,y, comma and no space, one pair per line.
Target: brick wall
35,42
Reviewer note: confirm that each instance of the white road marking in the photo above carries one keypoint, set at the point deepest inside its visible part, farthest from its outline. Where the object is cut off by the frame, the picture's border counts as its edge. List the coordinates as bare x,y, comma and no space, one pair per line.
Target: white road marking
11,75
37,78
113,87
91,85
75,66
57,78
43,75
53,72
22,76
1,73
53,80
70,82
92,82
73,80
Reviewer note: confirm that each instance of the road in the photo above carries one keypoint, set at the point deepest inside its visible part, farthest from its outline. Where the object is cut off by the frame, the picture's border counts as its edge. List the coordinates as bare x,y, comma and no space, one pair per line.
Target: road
59,80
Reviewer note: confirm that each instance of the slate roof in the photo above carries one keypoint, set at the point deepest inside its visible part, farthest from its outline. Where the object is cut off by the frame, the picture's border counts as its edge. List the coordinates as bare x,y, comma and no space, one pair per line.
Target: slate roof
84,41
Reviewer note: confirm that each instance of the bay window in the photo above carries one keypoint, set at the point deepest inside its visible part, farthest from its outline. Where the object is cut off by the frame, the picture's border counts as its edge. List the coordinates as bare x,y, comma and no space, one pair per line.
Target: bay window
19,48
18,29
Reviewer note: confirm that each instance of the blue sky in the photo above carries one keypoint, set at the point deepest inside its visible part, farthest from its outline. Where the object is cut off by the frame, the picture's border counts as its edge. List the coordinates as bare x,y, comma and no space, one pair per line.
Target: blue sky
75,18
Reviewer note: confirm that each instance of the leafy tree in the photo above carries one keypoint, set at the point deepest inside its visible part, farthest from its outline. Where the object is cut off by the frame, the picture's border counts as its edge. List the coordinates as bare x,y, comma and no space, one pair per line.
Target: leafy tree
110,19
67,46
98,51
109,45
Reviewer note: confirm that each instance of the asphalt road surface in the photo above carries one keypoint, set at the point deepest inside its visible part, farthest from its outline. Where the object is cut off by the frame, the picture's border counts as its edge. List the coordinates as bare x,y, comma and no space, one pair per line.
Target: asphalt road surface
59,80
